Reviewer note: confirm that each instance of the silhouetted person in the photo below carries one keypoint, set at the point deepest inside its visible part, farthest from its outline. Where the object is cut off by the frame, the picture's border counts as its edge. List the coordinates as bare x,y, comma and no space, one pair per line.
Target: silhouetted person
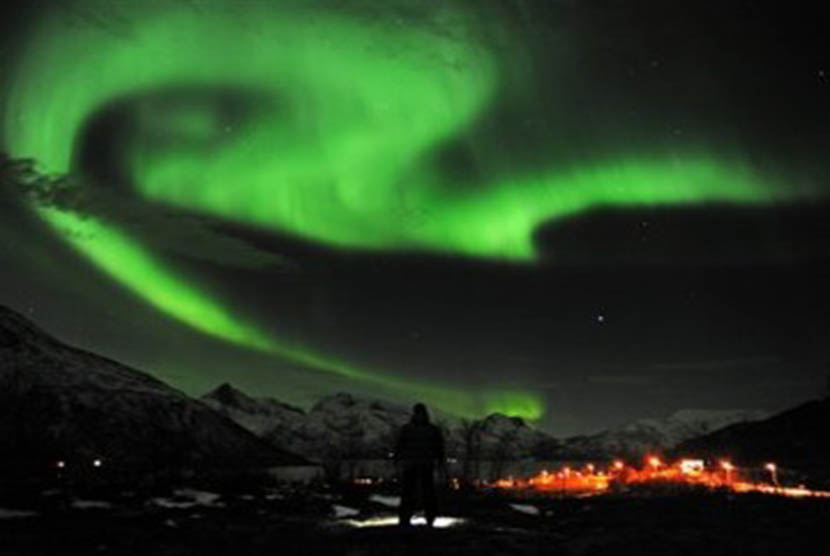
420,446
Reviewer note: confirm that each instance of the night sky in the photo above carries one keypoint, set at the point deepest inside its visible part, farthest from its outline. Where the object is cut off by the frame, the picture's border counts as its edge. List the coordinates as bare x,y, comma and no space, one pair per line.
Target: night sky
580,212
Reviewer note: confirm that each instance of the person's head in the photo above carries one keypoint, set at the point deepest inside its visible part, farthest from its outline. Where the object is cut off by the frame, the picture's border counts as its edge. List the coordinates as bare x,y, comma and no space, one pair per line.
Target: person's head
420,414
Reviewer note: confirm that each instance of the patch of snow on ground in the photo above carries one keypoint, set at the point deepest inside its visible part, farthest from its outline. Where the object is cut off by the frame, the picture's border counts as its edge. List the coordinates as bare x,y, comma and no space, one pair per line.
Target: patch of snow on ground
525,509
390,501
10,514
388,521
344,511
91,505
275,495
187,498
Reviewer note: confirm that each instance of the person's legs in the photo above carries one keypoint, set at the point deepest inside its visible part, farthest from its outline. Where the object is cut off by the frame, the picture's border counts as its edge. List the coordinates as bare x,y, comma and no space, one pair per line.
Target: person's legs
429,496
409,480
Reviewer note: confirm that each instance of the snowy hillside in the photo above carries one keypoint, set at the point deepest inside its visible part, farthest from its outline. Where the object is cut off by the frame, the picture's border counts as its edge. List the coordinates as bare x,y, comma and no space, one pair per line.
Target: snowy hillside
59,402
337,426
646,435
346,426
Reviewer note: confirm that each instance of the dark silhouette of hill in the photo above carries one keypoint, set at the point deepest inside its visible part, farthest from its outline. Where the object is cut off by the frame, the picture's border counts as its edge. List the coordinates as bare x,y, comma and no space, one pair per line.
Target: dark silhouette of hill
58,402
797,438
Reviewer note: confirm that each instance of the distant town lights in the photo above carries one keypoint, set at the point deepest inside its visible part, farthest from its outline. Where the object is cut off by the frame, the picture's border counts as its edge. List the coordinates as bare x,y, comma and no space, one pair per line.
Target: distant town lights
722,474
691,466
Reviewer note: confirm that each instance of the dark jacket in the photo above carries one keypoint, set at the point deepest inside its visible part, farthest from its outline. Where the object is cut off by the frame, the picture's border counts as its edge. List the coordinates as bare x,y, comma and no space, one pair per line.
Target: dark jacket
420,442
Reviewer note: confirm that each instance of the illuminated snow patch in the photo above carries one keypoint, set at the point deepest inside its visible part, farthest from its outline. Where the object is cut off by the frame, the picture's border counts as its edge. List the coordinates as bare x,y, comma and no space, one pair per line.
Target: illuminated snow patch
91,505
391,501
188,498
525,509
344,511
387,521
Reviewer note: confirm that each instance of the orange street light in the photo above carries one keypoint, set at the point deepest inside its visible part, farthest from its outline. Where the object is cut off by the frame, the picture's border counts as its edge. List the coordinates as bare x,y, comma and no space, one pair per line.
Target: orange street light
773,471
728,467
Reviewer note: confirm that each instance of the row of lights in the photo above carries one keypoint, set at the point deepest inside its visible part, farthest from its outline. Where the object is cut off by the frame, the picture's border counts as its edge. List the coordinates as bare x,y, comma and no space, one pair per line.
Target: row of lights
726,465
61,464
687,467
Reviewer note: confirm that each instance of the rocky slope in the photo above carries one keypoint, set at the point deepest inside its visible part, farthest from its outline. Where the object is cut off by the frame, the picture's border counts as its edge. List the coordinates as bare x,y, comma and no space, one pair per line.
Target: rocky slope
62,403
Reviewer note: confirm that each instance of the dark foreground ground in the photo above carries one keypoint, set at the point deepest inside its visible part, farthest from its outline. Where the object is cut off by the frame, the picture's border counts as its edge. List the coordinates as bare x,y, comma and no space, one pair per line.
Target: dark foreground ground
292,521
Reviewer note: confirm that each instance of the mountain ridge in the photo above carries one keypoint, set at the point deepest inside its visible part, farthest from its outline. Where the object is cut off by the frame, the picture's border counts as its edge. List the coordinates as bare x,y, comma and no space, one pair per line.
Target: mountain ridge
62,402
345,426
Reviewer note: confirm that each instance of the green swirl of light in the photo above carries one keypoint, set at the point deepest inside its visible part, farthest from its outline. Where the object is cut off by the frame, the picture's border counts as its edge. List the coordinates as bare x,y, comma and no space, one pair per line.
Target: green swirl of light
127,261
337,149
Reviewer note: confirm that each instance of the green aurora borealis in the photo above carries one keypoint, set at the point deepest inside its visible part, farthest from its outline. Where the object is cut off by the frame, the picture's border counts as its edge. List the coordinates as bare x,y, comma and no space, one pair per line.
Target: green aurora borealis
335,146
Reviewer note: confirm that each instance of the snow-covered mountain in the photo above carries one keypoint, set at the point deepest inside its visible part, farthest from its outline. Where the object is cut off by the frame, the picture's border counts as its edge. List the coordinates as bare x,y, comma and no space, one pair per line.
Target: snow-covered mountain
499,437
338,426
59,402
345,426
647,435
259,416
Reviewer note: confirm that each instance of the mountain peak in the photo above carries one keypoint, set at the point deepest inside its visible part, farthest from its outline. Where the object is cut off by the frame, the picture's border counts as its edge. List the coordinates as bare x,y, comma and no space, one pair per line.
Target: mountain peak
500,419
228,395
341,401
